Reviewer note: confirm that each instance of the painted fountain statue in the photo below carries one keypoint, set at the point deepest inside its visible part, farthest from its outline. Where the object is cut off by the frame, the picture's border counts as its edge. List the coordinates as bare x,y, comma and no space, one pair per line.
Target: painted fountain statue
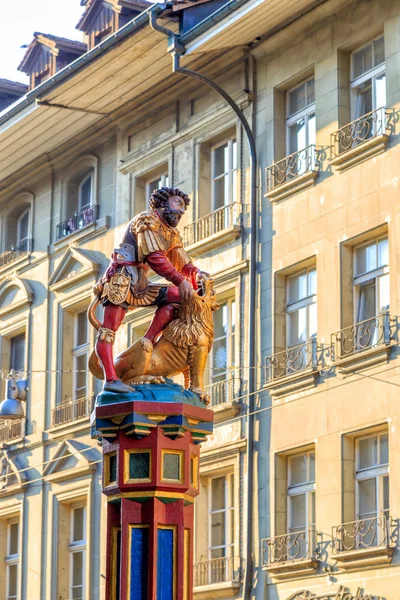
150,427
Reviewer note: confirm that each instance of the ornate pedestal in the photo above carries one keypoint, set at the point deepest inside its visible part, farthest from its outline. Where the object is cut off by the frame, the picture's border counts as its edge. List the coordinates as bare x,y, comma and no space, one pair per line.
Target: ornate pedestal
150,477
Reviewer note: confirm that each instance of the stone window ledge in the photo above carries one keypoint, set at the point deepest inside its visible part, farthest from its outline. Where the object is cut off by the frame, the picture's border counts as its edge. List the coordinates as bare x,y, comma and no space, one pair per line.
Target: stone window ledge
17,263
366,557
214,241
291,384
81,424
292,569
363,360
226,410
91,230
291,187
358,154
224,590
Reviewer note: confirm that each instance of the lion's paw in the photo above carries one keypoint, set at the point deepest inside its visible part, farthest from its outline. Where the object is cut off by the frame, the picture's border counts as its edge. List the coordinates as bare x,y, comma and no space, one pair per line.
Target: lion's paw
202,395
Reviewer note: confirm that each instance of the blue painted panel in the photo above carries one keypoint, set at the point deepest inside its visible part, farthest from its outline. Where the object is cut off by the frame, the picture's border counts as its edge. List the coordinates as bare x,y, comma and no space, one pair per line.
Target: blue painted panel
139,572
165,564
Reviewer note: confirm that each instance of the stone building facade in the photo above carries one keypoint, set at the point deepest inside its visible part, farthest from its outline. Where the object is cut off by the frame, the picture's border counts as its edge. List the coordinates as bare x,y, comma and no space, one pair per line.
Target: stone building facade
79,154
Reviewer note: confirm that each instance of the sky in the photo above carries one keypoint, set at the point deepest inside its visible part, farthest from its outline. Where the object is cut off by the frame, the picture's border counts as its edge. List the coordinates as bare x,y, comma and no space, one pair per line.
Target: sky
22,18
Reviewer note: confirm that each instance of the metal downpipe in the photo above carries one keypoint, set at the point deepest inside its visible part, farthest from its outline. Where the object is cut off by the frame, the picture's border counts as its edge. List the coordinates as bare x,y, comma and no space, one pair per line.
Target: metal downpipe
177,49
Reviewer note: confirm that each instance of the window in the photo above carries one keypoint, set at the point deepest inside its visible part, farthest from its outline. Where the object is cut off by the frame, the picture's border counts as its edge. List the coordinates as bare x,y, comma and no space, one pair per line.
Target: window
156,183
368,80
80,354
301,497
17,353
77,547
372,485
224,174
371,279
17,227
12,560
300,116
221,517
222,356
301,308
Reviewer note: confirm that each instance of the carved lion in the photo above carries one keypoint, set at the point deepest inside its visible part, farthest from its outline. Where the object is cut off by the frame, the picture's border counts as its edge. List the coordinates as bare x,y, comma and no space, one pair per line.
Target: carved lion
183,346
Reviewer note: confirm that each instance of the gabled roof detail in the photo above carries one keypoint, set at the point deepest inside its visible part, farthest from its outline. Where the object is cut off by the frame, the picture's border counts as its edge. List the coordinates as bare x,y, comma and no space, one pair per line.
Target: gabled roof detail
92,7
13,87
75,265
54,44
11,477
72,458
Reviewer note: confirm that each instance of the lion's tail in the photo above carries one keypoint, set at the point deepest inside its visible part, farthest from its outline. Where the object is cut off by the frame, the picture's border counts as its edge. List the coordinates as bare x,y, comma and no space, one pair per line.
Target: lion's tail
94,363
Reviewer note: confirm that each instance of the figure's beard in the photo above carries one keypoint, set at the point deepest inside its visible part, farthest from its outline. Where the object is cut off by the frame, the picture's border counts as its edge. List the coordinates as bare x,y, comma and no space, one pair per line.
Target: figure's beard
171,216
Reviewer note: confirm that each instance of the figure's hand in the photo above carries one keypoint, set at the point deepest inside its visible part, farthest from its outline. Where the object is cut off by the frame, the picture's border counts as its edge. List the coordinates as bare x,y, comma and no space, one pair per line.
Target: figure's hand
185,290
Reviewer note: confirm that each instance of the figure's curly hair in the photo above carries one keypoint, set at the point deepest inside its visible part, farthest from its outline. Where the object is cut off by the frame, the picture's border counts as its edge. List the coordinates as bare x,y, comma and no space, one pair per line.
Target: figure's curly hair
160,197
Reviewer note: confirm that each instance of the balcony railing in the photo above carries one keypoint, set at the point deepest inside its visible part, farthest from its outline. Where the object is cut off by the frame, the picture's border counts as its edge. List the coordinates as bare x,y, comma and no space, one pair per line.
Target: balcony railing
11,430
300,545
292,166
77,221
375,123
366,533
15,252
293,360
221,391
362,336
217,570
72,410
215,222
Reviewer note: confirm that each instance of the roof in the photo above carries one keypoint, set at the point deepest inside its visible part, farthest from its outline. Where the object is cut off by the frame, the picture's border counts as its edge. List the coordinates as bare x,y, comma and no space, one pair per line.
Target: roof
136,5
13,87
54,43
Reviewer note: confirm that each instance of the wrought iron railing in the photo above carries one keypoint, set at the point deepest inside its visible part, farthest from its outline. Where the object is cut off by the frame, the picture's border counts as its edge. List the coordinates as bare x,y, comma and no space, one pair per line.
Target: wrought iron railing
77,221
72,410
294,165
15,252
215,222
217,570
300,545
375,123
307,355
365,533
221,391
361,336
11,430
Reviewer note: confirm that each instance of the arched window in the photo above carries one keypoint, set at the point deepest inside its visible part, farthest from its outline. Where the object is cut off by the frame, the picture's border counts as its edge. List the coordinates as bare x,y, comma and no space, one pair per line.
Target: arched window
17,230
80,208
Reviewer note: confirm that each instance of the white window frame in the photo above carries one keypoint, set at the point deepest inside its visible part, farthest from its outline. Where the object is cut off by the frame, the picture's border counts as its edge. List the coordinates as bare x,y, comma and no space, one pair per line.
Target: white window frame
12,559
292,119
78,546
229,511
77,352
230,348
232,173
84,179
367,278
305,302
19,239
299,489
372,74
163,177
377,472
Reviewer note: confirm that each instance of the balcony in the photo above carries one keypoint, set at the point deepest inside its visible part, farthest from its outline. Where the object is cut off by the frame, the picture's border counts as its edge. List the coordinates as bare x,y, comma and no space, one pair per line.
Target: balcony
295,368
293,173
77,221
217,578
290,555
214,230
15,252
72,410
362,138
365,343
366,542
222,398
11,431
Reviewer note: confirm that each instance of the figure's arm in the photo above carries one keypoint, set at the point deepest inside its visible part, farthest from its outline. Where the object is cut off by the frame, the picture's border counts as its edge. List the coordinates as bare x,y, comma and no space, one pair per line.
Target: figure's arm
163,267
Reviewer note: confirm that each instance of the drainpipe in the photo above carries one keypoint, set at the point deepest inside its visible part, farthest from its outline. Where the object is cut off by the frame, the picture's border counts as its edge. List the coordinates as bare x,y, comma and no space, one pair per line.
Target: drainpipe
176,48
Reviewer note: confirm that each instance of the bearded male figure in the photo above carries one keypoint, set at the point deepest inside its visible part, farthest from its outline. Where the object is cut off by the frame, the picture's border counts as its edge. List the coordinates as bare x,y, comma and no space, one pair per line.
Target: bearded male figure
150,240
